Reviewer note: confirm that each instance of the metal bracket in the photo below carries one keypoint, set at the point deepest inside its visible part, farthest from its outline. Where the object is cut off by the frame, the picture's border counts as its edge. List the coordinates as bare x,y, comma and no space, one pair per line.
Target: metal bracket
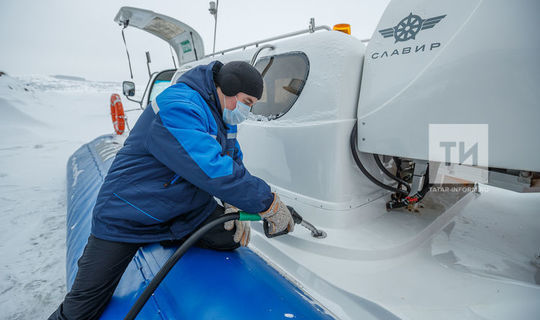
420,168
266,46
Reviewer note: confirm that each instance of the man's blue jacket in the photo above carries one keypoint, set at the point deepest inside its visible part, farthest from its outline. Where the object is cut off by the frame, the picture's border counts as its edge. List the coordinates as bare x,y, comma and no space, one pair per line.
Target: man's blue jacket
179,155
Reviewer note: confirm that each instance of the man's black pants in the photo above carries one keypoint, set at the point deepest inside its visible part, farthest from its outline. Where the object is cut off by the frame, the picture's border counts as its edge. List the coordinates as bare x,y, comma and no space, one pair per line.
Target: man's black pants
103,262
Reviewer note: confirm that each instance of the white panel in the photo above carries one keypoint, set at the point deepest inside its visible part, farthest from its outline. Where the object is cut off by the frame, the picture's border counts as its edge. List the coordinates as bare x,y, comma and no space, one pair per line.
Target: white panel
479,65
185,41
306,152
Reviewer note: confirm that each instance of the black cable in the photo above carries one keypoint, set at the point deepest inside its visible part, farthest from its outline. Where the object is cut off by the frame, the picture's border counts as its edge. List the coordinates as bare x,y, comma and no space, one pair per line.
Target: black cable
194,49
152,286
354,150
395,203
270,62
390,175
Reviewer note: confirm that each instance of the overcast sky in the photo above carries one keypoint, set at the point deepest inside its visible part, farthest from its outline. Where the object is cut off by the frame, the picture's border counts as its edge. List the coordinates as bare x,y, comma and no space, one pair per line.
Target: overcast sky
79,38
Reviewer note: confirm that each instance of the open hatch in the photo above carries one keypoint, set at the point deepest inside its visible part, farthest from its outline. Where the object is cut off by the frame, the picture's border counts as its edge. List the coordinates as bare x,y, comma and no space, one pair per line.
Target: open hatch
186,42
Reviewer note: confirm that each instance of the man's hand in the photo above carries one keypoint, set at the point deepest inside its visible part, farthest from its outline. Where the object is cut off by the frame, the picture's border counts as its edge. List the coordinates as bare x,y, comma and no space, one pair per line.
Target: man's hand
278,217
243,229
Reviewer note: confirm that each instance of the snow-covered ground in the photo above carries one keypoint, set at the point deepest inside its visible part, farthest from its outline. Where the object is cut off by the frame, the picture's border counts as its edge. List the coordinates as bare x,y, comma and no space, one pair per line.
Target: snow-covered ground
43,120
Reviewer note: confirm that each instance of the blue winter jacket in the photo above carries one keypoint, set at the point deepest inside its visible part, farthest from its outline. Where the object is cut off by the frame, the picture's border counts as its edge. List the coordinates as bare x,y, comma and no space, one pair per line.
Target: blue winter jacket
179,155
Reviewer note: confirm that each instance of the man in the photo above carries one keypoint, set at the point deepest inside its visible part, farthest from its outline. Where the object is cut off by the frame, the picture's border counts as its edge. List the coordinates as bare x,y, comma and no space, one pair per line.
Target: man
181,153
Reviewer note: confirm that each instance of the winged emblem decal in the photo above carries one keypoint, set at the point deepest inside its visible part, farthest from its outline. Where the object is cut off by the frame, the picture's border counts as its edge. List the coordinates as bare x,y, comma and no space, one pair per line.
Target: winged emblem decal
409,27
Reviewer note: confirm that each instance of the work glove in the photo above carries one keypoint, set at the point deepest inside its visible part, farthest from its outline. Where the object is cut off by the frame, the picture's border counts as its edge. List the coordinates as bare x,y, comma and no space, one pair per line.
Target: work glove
278,217
242,234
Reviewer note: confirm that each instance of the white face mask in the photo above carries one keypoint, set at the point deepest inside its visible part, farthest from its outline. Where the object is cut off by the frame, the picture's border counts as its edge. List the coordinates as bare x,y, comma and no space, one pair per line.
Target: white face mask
237,115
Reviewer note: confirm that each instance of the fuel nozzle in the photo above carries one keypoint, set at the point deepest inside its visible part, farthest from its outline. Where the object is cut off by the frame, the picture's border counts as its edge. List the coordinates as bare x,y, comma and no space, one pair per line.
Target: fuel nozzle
316,233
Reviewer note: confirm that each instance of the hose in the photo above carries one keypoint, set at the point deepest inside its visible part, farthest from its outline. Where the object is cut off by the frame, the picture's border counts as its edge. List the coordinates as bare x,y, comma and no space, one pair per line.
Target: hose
390,175
147,293
191,240
354,150
400,203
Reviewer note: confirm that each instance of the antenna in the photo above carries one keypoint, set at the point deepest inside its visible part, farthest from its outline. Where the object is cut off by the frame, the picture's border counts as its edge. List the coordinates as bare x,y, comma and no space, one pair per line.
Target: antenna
214,11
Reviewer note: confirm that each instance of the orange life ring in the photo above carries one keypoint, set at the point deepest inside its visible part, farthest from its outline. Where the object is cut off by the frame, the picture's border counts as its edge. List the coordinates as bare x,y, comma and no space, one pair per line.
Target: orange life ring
117,114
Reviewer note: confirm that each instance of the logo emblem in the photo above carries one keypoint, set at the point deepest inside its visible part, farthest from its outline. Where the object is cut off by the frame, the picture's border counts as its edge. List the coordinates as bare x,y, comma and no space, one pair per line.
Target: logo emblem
409,26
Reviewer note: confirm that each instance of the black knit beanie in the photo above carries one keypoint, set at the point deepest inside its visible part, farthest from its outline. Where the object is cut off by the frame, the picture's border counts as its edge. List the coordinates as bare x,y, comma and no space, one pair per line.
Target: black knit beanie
239,76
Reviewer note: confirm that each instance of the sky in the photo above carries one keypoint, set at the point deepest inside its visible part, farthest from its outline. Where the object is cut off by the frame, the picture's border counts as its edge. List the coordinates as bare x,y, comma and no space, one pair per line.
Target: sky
80,38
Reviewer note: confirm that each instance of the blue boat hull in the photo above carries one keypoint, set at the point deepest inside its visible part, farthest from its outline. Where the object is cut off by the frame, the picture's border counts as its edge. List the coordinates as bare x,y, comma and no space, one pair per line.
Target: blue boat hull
204,284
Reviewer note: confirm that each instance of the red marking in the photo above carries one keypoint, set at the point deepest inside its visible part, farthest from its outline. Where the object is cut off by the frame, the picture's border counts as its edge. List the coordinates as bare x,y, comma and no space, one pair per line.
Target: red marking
412,199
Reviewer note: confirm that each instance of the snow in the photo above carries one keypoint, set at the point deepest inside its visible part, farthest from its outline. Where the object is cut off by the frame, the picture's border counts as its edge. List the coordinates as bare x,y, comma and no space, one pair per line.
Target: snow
43,120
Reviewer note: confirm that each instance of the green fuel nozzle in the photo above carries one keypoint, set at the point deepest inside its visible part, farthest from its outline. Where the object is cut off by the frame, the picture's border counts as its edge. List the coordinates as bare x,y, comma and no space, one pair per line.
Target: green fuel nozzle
316,233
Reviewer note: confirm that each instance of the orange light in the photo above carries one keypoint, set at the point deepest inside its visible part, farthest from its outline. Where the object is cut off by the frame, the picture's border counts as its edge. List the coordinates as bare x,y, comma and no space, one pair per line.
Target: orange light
343,27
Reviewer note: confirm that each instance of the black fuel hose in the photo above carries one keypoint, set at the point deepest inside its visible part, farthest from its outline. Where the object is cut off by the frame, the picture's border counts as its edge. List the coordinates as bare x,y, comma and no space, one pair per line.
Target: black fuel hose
147,293
354,150
390,175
